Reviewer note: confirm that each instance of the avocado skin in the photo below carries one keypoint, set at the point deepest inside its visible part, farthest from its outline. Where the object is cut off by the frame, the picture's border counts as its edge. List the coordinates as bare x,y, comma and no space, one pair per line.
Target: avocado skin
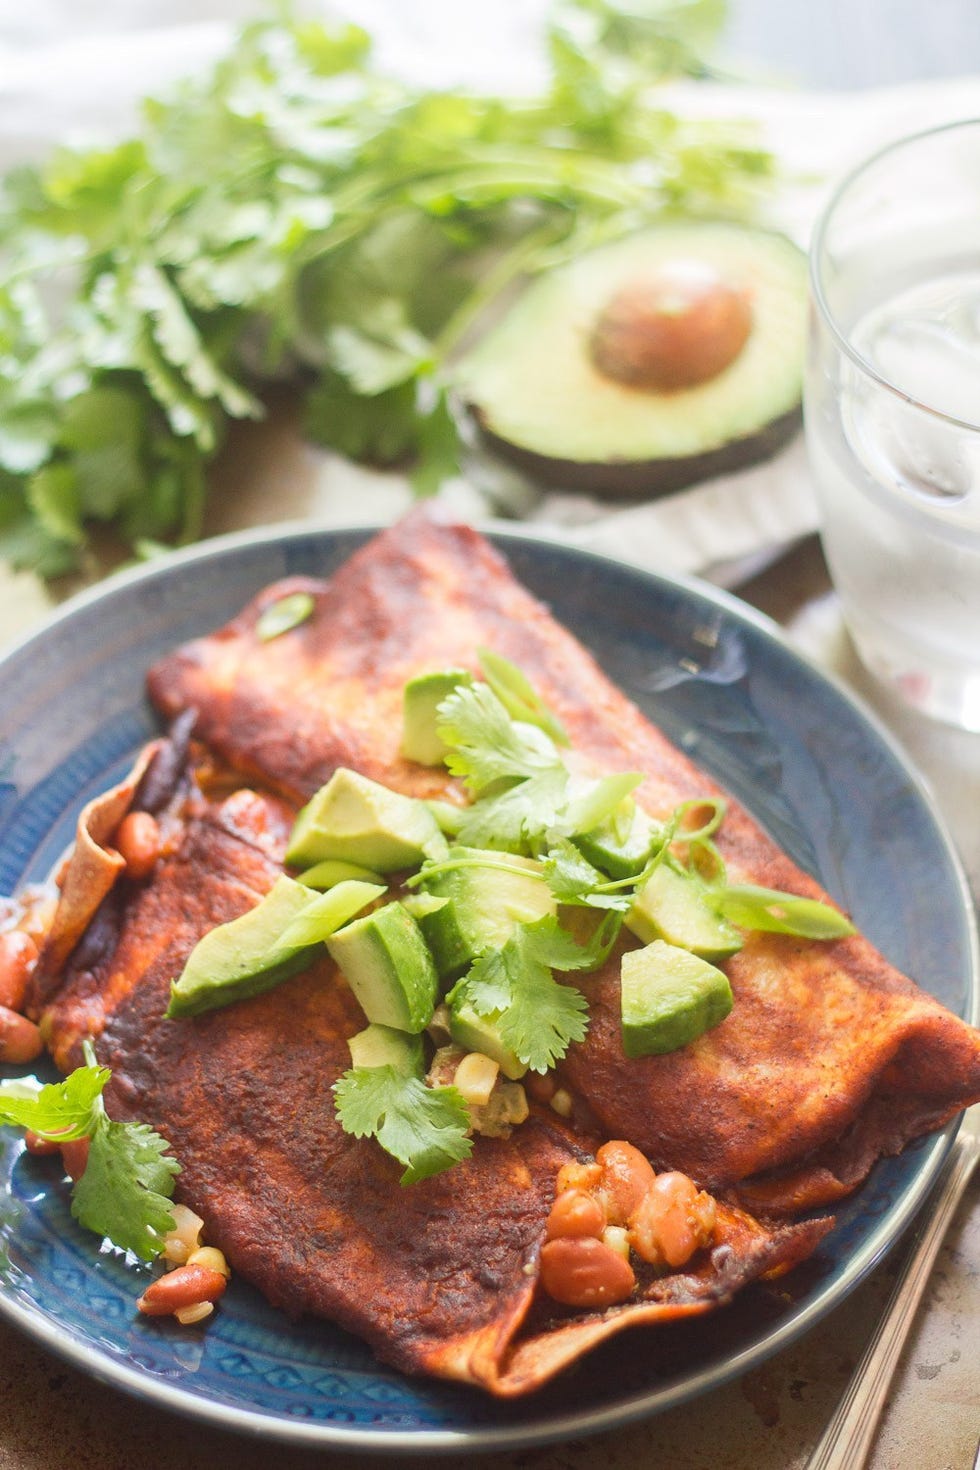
647,478
545,400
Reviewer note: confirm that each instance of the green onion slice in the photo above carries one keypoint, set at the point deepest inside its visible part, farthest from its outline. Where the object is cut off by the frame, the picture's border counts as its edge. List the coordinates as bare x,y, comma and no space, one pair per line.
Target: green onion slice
518,695
752,907
285,613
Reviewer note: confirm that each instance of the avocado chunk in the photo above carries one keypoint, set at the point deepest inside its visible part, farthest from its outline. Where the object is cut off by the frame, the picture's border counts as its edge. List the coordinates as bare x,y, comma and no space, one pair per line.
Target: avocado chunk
669,997
482,1033
245,957
421,699
647,364
620,854
383,1046
359,821
489,894
676,908
389,968
332,871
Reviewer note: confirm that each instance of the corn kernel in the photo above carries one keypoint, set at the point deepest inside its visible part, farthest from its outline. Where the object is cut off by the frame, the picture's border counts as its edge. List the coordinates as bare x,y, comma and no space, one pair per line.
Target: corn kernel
618,1239
187,1227
562,1103
475,1077
210,1257
187,1316
175,1251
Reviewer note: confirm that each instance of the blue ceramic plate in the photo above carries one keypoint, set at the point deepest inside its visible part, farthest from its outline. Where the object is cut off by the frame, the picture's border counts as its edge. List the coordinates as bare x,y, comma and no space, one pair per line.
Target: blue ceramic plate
824,780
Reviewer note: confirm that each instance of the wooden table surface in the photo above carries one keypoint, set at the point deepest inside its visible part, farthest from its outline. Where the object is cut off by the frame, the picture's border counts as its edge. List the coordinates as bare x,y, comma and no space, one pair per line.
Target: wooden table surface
54,1418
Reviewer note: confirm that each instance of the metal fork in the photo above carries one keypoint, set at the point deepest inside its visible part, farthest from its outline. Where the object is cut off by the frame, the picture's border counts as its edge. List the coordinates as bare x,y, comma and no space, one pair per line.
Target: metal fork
847,1440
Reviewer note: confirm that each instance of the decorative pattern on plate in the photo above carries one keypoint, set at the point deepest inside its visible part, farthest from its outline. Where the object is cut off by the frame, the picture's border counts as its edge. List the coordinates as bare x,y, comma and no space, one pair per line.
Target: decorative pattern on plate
812,767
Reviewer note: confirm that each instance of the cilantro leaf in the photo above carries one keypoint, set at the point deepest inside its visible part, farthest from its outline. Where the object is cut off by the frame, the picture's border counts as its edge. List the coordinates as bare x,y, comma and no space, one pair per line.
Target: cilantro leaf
125,1190
514,818
485,744
424,1128
552,945
537,1017
573,879
59,1111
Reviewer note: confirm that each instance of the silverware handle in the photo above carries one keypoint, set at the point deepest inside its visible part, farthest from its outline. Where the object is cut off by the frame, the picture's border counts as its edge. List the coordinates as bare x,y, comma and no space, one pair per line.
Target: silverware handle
848,1438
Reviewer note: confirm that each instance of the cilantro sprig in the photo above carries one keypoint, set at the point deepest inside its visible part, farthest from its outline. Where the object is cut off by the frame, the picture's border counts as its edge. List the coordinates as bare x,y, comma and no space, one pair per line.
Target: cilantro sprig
125,1191
538,1017
424,1128
300,213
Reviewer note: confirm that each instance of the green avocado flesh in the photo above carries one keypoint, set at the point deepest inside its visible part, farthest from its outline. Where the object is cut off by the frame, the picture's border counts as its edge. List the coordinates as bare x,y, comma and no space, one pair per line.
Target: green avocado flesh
421,699
670,997
675,908
355,820
482,1033
620,854
245,957
276,939
485,904
388,966
536,391
383,1046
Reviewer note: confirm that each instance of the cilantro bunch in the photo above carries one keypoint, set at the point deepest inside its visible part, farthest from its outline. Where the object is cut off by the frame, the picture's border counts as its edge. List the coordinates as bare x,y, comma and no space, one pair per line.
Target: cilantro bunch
299,213
124,1192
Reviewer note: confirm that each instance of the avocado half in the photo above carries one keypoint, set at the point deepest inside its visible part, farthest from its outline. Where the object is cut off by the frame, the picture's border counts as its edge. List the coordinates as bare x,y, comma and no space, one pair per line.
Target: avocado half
669,356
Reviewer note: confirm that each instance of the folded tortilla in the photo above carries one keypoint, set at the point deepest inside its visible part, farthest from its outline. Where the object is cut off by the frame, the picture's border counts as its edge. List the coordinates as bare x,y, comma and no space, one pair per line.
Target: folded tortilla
830,1058
439,1277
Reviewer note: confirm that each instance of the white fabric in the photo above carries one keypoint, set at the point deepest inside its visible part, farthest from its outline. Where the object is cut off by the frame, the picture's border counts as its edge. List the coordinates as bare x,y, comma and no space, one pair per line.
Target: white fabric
74,71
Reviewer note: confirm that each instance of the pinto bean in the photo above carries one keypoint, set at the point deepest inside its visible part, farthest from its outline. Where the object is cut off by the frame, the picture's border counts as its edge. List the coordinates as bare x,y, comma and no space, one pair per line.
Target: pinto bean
18,956
74,1155
35,1144
575,1212
138,843
578,1176
583,1272
20,1039
626,1176
184,1287
672,1221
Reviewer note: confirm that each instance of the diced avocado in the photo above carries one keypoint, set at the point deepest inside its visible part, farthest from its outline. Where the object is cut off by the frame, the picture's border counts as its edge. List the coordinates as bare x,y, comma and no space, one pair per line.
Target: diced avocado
669,998
661,358
482,1033
383,1046
621,855
489,893
450,818
675,908
246,956
421,699
332,871
388,966
360,821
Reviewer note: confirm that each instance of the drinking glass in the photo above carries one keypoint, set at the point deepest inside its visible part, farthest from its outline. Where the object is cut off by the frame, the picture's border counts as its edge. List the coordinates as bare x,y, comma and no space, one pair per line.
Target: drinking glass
892,413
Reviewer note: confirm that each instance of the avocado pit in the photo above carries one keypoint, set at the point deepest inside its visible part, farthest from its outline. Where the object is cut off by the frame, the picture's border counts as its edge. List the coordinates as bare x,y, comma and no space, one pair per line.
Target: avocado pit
673,329
659,359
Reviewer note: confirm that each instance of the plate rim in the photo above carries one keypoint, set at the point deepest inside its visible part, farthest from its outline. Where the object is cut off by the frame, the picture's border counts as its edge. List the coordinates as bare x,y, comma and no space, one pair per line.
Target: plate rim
884,1236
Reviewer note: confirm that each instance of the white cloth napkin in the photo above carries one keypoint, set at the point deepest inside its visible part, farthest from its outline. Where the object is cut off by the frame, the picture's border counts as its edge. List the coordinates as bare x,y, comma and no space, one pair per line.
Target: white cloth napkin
76,73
